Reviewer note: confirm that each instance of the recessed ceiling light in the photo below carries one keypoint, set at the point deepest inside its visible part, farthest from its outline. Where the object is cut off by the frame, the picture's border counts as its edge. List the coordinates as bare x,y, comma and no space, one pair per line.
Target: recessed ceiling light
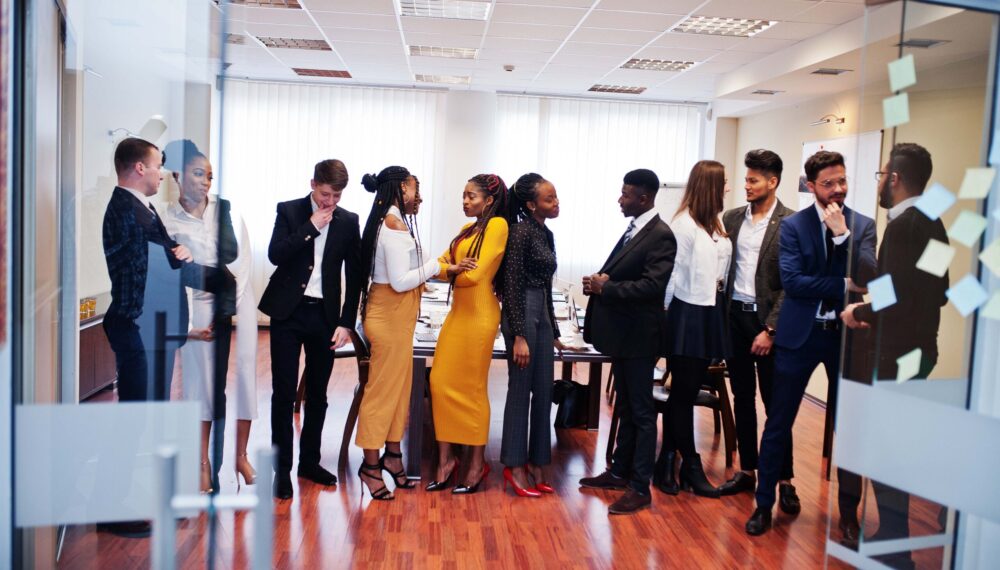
765,92
237,39
617,89
267,3
830,71
715,26
294,43
449,79
921,43
454,9
305,72
657,64
454,53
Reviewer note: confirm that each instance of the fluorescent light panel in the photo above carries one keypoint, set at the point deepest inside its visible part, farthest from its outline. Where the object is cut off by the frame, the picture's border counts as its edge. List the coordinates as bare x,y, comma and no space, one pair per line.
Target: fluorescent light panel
237,39
449,79
617,89
449,52
765,92
452,9
268,3
921,43
830,71
657,64
294,43
715,26
306,72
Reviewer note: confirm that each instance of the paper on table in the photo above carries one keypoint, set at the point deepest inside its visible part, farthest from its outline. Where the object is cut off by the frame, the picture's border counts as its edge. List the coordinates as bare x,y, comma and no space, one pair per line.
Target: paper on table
902,73
992,308
936,258
967,295
935,201
991,257
908,365
976,184
882,293
967,228
896,110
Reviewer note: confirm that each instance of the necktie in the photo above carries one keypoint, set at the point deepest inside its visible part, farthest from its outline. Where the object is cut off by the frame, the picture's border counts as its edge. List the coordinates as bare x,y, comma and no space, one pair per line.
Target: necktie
828,304
628,232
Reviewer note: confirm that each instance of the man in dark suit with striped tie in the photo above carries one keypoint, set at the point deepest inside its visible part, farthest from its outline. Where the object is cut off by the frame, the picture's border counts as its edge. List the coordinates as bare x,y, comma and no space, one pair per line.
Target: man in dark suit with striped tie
625,320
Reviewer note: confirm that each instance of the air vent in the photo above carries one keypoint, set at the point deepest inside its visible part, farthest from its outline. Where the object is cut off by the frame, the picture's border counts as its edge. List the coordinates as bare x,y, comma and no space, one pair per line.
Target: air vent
830,71
617,89
765,92
452,9
449,79
267,3
453,53
714,26
921,43
657,64
236,39
305,72
294,43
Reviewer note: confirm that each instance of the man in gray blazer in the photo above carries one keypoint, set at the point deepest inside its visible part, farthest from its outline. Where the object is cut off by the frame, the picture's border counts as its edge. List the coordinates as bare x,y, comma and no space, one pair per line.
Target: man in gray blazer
754,293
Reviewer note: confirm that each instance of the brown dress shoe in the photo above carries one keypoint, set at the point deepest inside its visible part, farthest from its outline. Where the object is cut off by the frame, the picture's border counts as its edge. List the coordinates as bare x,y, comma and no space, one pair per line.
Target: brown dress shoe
605,480
631,502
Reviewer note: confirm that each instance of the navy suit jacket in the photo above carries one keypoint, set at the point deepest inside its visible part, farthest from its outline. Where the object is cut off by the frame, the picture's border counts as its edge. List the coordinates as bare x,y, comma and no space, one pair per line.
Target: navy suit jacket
804,274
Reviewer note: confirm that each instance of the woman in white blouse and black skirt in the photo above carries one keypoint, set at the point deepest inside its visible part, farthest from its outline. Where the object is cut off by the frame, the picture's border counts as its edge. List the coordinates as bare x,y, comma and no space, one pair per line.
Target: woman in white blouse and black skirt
696,321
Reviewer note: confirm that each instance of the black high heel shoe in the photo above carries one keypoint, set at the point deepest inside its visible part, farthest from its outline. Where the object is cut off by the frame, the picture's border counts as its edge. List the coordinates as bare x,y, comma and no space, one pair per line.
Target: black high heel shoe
397,476
693,478
470,489
665,478
367,470
443,484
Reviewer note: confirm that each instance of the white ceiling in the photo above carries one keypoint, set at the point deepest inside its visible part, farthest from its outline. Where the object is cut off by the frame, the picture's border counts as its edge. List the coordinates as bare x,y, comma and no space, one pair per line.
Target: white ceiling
556,46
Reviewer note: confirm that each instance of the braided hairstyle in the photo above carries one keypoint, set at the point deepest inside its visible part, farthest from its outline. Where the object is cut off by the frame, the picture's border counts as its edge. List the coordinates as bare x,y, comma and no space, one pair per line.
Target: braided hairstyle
491,186
524,190
388,189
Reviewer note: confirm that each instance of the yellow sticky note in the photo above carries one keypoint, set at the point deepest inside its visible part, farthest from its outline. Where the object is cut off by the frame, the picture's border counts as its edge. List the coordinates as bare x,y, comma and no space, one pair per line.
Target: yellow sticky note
908,365
967,228
991,257
936,258
896,110
992,308
902,74
977,183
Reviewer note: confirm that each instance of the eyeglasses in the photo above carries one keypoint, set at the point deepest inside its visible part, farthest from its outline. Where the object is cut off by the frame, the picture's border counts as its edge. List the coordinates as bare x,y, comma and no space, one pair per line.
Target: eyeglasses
879,174
831,184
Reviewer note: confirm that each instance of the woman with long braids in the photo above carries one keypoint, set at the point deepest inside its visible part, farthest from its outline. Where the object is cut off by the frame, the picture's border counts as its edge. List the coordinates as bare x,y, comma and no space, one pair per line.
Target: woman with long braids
394,263
530,330
696,321
460,402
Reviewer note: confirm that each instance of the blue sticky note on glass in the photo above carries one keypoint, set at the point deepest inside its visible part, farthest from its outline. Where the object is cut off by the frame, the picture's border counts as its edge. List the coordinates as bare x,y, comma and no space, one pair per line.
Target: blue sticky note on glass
896,110
967,228
935,201
908,365
902,73
882,292
967,295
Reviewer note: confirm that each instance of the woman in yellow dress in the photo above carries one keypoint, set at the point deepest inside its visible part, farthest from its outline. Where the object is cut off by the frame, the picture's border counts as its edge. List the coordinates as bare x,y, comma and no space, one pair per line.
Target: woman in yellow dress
459,399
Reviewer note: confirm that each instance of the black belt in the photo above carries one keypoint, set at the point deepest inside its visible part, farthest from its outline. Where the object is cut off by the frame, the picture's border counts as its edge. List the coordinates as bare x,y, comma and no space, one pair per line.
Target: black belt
827,325
744,307
311,300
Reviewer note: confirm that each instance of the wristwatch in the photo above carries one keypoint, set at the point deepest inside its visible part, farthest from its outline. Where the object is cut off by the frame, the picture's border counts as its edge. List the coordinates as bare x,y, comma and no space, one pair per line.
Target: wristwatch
770,332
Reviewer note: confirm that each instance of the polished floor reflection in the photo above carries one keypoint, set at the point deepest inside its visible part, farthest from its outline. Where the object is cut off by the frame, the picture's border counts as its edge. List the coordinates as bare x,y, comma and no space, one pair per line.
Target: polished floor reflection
333,528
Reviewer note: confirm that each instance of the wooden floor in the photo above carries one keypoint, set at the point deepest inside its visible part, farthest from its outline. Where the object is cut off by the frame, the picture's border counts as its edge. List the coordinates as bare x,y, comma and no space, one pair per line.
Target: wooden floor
334,528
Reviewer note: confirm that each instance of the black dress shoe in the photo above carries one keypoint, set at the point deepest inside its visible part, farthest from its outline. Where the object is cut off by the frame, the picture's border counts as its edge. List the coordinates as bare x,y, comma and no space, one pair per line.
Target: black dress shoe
605,480
317,474
631,502
760,522
850,532
127,529
693,478
788,500
741,482
282,487
664,474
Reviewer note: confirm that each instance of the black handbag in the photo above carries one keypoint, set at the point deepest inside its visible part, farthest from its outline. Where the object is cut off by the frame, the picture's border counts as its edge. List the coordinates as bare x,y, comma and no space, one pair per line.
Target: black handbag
571,399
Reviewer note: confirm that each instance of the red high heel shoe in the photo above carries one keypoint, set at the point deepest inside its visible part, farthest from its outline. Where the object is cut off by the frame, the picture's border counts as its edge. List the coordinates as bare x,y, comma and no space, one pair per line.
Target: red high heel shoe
541,485
508,477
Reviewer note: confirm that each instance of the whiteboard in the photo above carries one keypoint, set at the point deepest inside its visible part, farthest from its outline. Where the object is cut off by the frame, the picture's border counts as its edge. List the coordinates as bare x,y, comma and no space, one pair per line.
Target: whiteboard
862,159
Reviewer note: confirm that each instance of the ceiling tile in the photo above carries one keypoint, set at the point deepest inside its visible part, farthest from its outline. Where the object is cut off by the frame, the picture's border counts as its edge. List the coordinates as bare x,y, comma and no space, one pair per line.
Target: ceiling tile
385,7
443,26
606,50
362,21
780,10
676,54
793,31
367,36
275,31
521,14
529,31
603,63
716,67
442,40
652,6
696,41
363,59
282,16
736,57
832,13
637,77
548,46
513,56
606,36
421,64
631,21
560,3
762,45
309,58
348,49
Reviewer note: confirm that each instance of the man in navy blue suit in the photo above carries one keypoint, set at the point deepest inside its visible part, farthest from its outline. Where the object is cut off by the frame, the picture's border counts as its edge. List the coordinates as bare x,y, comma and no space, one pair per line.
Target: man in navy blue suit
820,263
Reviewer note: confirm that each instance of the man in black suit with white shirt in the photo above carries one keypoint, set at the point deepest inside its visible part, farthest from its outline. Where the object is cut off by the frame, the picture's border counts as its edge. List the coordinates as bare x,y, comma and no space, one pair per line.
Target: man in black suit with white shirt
311,241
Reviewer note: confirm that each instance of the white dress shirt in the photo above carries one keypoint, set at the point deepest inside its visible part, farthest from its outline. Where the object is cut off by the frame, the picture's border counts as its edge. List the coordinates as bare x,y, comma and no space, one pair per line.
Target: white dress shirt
898,209
199,235
747,253
315,286
641,220
702,262
396,260
837,240
139,196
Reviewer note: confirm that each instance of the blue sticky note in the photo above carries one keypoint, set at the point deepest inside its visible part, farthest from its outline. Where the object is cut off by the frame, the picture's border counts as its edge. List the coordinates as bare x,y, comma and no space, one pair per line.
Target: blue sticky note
967,295
908,365
896,110
882,292
967,228
935,201
902,73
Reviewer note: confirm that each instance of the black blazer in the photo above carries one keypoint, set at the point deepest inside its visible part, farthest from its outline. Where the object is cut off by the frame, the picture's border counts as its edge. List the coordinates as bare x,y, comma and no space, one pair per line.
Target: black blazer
767,279
291,250
627,319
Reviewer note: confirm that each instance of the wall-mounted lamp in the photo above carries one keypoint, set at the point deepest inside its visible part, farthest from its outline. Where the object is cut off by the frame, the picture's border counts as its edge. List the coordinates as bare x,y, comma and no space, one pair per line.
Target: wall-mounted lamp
151,131
827,119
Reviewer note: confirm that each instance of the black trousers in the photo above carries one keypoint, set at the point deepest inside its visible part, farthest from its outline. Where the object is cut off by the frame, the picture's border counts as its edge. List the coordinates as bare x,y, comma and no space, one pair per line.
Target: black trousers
135,360
305,328
746,371
635,446
687,375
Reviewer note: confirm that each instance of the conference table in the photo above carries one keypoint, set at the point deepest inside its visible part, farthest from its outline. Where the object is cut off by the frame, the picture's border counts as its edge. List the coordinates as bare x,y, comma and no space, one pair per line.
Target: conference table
433,309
